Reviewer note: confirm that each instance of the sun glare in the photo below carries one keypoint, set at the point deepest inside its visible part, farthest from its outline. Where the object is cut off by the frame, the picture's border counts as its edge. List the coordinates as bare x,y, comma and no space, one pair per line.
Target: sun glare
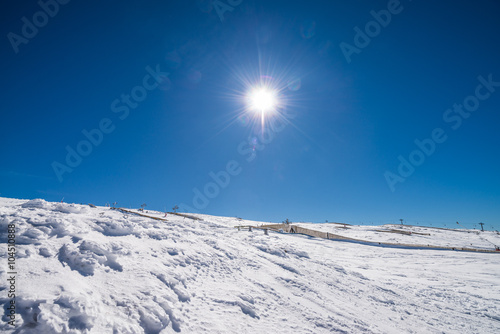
262,100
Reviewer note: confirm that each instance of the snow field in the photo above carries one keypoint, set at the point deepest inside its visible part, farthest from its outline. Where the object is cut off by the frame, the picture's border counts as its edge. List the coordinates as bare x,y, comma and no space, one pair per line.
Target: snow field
97,270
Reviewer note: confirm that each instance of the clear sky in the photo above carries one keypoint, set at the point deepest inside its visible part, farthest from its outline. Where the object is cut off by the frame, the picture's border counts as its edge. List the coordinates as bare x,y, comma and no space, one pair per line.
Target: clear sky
388,109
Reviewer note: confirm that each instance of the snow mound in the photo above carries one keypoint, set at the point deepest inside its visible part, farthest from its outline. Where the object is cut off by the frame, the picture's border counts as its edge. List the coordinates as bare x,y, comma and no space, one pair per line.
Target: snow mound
86,257
69,208
61,207
35,204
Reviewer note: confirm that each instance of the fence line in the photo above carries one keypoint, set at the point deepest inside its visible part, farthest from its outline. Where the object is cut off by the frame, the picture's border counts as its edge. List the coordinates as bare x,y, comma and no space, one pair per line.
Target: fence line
140,214
293,229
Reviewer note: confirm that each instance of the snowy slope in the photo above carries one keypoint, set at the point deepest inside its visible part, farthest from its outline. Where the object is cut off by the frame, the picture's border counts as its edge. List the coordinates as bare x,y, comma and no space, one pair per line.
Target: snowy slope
97,270
419,235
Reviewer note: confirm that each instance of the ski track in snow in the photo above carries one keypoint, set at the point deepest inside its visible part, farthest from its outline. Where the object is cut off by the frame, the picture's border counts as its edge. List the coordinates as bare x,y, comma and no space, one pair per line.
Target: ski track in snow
97,270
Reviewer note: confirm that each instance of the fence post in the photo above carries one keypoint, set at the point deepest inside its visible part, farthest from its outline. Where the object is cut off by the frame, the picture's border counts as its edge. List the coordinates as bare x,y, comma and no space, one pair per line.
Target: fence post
249,228
266,232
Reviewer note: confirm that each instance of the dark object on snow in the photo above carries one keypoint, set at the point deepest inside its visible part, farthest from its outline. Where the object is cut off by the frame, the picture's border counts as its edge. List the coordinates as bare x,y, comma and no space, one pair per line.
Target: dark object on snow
92,205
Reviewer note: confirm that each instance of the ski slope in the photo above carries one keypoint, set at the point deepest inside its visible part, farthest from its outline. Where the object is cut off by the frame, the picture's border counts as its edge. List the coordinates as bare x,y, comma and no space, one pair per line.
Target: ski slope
413,235
98,270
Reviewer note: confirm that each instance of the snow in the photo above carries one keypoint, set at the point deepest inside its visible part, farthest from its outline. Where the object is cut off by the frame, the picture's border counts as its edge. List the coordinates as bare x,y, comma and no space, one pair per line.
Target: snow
99,270
440,237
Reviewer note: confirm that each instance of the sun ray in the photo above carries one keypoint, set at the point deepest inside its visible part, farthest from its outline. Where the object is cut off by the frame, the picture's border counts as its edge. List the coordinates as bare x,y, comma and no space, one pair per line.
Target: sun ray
262,94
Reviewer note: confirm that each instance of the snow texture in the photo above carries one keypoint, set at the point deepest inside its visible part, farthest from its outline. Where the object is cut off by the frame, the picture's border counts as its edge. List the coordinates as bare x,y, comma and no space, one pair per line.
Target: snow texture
98,270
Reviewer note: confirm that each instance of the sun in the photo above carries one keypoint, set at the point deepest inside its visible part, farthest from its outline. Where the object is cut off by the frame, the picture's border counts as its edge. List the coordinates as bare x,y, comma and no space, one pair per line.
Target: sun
262,100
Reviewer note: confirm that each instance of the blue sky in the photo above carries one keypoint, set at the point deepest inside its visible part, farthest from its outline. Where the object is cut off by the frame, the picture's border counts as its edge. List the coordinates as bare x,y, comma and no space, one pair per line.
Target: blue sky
346,116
